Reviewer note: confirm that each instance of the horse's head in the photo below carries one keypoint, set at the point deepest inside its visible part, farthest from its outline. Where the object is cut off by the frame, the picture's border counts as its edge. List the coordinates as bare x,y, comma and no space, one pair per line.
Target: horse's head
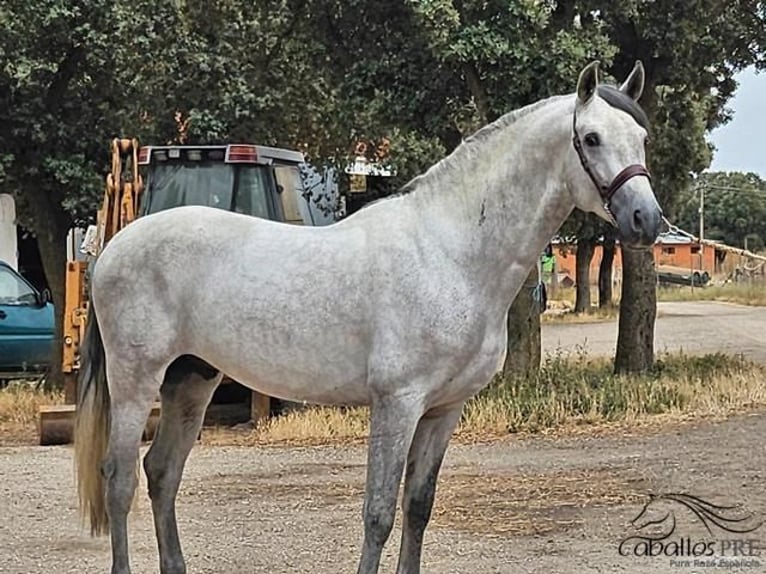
610,179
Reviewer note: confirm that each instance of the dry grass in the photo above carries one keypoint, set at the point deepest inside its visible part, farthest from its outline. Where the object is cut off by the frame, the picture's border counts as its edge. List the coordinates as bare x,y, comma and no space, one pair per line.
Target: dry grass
560,308
569,392
593,315
19,403
742,293
304,426
575,391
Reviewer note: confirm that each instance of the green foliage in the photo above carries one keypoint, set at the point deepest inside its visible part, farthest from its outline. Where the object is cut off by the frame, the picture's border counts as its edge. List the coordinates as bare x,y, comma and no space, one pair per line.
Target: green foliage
678,144
692,51
319,74
436,71
55,85
506,55
702,367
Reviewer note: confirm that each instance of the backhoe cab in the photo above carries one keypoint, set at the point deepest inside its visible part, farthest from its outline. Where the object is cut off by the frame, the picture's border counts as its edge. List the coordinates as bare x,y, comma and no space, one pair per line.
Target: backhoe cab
255,180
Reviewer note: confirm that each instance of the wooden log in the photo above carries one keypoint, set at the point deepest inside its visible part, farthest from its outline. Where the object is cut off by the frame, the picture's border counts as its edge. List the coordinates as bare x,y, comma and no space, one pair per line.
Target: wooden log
260,407
55,424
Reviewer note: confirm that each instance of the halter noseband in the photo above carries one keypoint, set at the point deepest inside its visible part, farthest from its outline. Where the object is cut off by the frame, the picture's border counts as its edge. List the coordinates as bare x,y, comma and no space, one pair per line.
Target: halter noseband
605,191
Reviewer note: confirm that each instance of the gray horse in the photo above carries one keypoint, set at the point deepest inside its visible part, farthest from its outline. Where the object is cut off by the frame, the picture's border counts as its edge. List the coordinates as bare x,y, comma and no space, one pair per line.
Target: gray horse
427,277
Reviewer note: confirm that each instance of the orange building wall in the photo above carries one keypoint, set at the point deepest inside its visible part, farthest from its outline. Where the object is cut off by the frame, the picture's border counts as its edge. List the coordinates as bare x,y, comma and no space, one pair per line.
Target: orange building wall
686,256
671,255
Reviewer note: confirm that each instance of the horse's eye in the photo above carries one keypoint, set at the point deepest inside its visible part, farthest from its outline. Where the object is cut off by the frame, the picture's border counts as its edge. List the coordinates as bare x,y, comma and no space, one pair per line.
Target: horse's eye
591,140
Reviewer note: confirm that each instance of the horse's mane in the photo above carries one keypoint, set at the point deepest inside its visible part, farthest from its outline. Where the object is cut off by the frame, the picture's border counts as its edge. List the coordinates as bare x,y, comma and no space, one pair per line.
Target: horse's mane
469,144
610,94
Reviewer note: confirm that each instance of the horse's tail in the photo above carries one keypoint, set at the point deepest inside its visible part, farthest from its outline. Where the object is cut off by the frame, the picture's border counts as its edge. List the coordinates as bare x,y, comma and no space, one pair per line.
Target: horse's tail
91,431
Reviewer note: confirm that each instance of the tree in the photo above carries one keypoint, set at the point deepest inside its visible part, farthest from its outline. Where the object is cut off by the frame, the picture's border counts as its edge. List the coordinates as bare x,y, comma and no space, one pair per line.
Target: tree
56,56
68,86
605,267
523,322
316,74
320,74
691,52
587,230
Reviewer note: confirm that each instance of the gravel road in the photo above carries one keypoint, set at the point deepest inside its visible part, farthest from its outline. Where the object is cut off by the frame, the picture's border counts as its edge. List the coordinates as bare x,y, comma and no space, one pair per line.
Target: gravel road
694,327
519,506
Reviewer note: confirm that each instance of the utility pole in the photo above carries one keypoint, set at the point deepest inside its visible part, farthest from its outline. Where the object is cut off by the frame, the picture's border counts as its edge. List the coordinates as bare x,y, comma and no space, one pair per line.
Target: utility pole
702,213
702,225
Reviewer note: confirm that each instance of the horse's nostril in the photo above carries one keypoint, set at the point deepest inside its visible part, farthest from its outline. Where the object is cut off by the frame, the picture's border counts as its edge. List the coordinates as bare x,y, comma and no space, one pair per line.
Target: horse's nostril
638,220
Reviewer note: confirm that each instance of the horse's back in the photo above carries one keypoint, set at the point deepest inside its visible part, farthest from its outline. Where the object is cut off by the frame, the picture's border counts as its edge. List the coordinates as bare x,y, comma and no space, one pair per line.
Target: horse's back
240,292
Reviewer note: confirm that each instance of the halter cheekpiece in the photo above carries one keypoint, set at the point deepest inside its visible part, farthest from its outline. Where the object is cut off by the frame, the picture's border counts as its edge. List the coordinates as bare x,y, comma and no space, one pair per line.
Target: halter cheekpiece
606,191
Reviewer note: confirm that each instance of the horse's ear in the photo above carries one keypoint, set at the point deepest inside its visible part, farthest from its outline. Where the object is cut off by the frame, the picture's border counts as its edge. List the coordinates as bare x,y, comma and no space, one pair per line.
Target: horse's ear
587,83
634,85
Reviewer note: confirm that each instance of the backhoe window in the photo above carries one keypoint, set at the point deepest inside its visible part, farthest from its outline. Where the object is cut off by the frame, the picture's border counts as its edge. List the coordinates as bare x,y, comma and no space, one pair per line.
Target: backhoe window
247,189
252,192
175,184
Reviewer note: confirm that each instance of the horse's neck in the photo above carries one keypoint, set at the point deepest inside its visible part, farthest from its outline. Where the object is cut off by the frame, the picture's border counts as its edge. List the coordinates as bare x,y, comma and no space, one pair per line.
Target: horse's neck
498,200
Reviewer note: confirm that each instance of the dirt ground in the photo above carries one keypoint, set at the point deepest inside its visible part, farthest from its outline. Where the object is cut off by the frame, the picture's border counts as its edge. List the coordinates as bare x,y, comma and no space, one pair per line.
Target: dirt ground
694,327
519,506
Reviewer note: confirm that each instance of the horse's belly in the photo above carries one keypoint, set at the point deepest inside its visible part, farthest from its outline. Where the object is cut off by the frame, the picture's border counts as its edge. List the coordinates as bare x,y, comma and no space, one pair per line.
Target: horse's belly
310,389
304,379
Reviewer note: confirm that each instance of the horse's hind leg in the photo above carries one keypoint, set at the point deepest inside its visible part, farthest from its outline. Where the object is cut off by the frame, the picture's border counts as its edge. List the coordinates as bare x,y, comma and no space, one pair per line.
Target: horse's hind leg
187,390
132,390
423,463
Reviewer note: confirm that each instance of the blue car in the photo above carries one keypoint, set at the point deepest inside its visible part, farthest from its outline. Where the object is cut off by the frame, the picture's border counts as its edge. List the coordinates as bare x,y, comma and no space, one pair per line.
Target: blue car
27,324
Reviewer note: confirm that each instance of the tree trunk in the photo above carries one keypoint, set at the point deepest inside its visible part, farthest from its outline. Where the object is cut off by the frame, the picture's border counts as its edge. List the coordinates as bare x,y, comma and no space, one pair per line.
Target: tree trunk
51,226
638,302
638,309
53,256
585,249
605,271
524,354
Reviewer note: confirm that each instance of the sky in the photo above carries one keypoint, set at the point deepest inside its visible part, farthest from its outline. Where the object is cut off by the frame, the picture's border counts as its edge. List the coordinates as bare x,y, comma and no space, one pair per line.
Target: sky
741,144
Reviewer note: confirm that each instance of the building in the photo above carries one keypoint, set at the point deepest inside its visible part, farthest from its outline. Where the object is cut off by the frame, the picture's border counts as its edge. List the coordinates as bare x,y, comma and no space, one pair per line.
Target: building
670,251
673,250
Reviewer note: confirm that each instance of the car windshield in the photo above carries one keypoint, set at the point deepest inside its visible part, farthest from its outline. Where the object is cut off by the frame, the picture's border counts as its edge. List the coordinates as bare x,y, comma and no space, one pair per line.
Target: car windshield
13,290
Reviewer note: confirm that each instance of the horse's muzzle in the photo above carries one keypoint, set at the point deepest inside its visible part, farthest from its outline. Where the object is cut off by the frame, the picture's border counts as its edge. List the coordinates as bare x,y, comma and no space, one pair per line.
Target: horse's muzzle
645,227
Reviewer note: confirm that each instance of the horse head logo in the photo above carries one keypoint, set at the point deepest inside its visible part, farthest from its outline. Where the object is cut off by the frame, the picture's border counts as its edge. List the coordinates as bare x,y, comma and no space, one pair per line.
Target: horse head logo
658,516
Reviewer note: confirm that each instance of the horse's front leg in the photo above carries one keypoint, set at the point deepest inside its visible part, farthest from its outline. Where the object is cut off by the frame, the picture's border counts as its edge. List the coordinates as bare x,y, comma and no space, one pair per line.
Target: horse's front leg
423,463
392,425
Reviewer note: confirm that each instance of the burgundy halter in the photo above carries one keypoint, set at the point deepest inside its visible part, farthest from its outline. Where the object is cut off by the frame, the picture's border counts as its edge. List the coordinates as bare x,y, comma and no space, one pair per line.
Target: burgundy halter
606,191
